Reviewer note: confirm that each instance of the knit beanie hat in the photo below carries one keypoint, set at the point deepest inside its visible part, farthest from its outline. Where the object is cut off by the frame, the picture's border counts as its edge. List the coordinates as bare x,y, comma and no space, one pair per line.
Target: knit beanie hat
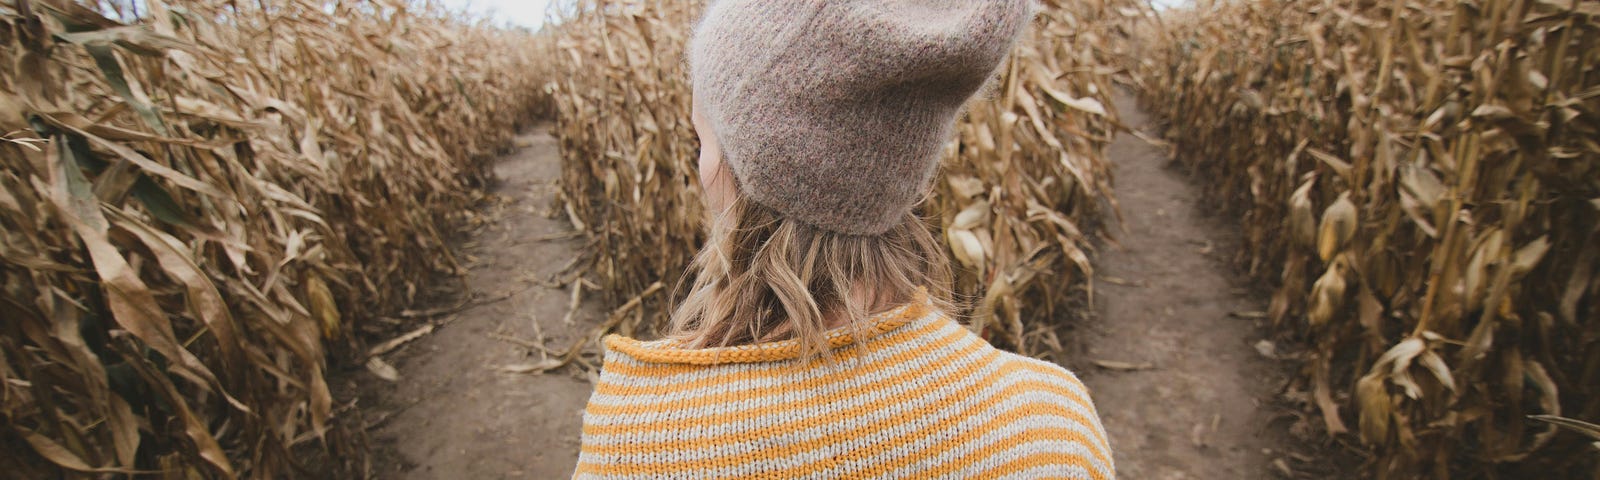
834,112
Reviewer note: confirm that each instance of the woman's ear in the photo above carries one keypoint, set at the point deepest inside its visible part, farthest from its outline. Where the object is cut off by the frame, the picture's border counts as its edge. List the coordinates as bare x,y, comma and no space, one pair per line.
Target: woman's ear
715,177
720,188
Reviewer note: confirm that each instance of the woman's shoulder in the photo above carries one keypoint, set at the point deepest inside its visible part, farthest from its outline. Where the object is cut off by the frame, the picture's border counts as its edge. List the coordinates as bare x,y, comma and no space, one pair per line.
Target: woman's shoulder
1070,403
1046,373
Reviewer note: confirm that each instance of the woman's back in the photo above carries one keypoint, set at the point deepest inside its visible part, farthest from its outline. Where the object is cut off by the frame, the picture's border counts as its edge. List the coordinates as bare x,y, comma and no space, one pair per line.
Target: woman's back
821,125
923,398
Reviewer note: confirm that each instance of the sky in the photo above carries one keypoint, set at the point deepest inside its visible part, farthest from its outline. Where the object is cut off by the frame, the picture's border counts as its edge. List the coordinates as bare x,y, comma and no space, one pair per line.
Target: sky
527,13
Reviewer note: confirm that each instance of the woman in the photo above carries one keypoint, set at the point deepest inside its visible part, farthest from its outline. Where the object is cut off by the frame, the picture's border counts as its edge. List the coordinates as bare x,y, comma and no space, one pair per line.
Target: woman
814,342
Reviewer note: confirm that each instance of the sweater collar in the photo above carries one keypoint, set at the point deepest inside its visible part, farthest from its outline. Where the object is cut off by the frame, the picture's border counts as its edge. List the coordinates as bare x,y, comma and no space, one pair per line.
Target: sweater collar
668,351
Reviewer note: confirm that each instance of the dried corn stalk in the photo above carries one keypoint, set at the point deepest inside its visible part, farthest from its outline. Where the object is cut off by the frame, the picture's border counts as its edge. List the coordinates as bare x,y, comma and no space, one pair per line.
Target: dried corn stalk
1422,181
1026,176
628,148
198,205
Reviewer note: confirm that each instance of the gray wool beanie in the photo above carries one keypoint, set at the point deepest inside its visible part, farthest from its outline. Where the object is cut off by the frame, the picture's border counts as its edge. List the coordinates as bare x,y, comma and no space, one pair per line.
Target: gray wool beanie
834,112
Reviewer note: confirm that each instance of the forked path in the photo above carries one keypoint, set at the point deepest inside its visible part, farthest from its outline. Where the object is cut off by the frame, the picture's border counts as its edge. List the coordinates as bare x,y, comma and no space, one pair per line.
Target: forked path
467,404
1171,359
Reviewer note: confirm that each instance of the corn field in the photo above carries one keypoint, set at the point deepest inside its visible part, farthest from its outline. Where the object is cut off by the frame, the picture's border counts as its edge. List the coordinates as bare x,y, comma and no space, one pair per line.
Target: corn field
1027,182
1023,187
203,202
1421,182
203,199
628,149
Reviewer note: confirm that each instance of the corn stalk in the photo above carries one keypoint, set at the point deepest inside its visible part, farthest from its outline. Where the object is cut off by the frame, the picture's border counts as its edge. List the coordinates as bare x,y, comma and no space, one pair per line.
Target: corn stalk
200,201
1420,180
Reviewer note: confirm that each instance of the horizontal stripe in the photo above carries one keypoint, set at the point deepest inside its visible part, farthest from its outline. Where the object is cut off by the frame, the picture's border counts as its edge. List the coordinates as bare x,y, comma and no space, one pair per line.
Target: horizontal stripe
614,395
729,447
1008,427
800,398
619,365
858,418
1049,472
603,432
914,448
1056,375
1070,445
924,398
1074,434
621,397
1031,461
1048,369
719,425
1011,429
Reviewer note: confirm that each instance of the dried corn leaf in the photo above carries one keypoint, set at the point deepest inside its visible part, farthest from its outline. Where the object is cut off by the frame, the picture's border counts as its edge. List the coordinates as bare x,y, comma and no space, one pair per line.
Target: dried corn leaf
200,197
1442,128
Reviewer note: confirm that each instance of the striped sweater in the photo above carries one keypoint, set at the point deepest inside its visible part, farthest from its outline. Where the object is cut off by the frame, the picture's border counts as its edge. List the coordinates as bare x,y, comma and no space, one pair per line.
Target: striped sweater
922,397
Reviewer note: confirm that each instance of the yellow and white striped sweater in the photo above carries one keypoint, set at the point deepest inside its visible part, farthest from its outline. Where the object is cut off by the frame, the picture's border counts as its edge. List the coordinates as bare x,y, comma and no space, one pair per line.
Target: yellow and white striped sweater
923,397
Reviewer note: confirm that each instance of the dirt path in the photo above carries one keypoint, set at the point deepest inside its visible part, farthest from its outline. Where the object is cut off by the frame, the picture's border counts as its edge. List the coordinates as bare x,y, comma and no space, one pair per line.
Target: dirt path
456,412
1182,389
1180,385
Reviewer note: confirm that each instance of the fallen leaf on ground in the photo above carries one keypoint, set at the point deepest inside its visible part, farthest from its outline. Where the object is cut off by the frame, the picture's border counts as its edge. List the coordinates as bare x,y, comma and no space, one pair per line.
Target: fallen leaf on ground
390,345
1283,468
1124,366
1267,349
1197,435
1123,281
383,369
533,368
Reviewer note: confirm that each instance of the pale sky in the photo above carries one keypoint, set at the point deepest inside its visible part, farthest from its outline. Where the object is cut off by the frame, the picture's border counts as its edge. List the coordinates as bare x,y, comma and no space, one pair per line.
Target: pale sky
528,13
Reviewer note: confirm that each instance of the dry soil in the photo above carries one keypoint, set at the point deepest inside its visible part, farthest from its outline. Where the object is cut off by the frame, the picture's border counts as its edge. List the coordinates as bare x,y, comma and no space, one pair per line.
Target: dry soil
1171,357
457,411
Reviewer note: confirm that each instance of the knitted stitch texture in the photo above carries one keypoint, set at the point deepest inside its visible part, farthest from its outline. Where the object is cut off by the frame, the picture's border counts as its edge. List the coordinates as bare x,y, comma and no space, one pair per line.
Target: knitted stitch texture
834,112
921,397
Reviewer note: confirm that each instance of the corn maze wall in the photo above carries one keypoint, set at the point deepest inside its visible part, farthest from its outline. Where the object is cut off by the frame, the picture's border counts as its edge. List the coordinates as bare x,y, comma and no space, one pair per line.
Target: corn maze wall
1024,183
1421,180
197,207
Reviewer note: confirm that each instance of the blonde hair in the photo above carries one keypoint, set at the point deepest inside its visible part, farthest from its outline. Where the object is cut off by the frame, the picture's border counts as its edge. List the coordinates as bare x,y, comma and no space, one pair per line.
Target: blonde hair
763,278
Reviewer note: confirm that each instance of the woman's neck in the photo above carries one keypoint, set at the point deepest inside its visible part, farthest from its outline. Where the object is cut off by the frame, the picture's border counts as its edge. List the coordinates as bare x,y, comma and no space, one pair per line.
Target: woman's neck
871,299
